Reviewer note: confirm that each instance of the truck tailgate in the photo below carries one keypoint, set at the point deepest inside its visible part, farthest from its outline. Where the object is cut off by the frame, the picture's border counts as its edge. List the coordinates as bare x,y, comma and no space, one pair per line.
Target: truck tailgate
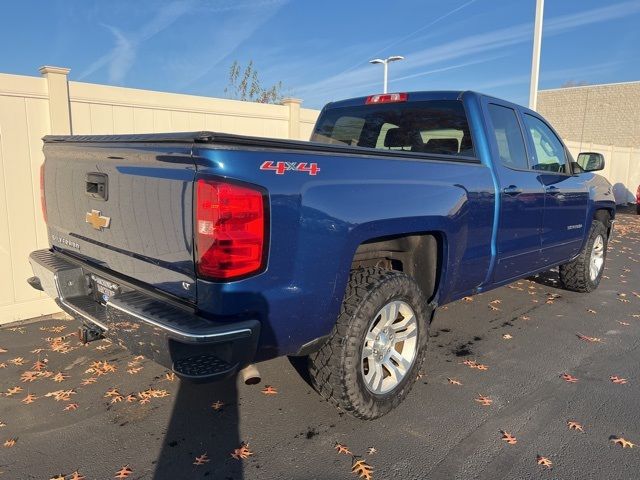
124,207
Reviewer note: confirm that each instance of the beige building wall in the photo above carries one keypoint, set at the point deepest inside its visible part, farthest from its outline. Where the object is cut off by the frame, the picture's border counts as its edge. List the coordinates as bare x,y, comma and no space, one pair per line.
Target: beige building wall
600,118
31,107
606,114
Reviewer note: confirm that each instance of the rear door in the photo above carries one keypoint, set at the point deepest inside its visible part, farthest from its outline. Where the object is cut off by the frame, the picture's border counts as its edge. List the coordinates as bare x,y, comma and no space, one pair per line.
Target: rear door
521,195
125,208
566,196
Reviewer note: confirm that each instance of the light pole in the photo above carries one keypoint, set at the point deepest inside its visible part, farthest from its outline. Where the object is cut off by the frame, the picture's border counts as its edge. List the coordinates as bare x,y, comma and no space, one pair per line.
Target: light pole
385,64
535,61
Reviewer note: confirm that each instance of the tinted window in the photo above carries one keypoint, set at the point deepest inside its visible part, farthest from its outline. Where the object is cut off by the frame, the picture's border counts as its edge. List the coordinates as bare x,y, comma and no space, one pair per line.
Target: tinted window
427,127
549,154
508,137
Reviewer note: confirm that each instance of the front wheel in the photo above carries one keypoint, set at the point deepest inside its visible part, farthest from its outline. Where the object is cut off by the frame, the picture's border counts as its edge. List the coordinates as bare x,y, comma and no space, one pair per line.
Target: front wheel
372,358
585,272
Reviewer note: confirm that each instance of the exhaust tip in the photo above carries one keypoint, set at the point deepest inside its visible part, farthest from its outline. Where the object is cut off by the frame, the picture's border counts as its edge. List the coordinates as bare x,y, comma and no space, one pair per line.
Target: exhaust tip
250,375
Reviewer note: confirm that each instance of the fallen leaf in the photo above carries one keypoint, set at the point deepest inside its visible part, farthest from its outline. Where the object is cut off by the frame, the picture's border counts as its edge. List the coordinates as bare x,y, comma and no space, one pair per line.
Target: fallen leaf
88,381
71,407
362,469
13,391
624,324
623,442
568,378
117,399
77,476
29,399
616,379
29,376
134,370
453,381
39,365
201,460
544,461
171,376
59,377
269,390
242,452
340,448
112,392
507,437
507,336
484,401
61,395
17,361
574,426
591,310
371,450
589,339
467,299
58,477
10,443
124,472
217,405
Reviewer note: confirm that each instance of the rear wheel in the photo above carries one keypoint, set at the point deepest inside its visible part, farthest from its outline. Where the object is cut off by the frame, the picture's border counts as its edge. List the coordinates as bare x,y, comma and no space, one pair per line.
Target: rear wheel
372,358
585,272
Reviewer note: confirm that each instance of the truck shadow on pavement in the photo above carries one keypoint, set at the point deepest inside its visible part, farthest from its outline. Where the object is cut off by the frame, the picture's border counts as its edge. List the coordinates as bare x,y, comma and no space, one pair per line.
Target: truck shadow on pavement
200,425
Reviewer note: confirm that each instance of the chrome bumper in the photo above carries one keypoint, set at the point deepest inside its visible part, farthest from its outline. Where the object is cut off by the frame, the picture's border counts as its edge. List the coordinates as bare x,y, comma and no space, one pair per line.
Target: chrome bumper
174,336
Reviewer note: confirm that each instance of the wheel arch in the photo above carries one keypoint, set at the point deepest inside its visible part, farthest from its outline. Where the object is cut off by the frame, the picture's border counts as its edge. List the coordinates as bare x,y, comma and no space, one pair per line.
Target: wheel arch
419,255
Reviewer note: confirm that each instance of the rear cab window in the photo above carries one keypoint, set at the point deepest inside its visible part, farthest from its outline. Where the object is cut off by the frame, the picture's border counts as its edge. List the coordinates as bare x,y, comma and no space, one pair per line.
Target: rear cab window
431,126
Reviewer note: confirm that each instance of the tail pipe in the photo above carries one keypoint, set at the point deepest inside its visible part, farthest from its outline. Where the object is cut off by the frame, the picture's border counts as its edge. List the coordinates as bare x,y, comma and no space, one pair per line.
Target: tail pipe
250,375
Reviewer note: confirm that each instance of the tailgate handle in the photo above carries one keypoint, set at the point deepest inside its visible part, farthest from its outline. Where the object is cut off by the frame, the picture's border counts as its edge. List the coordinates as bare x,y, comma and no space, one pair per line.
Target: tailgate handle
97,185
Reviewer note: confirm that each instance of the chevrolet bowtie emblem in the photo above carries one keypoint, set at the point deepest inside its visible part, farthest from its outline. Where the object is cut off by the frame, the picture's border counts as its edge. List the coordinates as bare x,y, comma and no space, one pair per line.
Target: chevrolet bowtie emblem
97,221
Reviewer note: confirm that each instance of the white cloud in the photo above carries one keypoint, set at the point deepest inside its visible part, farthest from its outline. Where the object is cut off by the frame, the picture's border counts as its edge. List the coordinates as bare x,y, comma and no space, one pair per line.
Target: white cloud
122,56
243,19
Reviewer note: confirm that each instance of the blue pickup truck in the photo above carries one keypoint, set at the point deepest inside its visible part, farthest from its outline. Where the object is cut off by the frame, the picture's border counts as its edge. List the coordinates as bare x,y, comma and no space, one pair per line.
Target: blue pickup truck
210,252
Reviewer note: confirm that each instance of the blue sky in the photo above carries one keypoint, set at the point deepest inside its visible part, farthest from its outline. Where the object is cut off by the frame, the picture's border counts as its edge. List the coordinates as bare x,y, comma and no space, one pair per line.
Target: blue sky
320,50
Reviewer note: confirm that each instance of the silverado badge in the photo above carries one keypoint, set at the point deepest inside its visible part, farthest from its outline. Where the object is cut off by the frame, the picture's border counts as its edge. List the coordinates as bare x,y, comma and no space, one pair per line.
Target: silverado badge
97,221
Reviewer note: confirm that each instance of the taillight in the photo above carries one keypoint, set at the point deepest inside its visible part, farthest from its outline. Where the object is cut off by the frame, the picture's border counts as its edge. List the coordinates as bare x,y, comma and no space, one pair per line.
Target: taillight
230,229
43,201
387,98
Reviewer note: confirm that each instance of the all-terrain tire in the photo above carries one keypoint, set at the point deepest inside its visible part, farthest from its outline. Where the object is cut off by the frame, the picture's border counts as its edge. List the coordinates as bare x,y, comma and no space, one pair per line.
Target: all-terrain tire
335,370
575,275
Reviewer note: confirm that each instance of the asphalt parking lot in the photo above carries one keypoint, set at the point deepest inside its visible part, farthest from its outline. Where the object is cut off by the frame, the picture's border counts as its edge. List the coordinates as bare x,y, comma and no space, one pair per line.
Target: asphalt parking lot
99,412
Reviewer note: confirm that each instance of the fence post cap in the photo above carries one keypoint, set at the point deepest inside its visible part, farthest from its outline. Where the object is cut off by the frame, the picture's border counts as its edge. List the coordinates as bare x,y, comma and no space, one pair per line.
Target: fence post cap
291,100
45,69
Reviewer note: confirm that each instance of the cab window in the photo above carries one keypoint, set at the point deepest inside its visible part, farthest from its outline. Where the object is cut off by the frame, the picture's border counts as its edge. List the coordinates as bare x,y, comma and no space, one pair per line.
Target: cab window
549,153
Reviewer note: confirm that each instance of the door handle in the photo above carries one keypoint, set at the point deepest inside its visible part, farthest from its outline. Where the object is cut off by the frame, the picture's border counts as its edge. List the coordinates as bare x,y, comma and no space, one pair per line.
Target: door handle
555,191
97,185
512,190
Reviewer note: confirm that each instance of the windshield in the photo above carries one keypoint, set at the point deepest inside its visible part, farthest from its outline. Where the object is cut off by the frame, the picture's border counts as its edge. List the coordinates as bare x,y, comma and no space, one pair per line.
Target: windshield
437,126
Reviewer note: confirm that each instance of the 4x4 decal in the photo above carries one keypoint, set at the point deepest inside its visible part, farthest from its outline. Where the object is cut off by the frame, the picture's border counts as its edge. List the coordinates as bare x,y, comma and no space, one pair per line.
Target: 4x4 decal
281,167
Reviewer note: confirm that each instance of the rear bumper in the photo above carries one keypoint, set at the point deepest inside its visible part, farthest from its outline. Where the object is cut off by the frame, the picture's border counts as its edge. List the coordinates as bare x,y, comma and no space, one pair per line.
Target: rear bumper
193,347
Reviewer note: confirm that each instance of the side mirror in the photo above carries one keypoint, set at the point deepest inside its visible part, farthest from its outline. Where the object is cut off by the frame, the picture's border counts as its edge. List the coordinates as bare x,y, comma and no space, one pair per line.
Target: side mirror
591,161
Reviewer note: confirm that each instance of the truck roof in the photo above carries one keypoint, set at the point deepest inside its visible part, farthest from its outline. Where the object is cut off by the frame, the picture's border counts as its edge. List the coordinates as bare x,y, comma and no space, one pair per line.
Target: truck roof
424,96
413,96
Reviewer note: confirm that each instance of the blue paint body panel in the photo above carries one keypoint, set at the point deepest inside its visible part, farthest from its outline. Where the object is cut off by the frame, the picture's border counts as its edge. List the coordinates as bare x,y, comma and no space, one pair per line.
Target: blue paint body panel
318,222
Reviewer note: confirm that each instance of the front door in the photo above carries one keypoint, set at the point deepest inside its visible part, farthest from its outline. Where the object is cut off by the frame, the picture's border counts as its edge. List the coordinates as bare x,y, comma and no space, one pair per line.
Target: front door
521,197
566,196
